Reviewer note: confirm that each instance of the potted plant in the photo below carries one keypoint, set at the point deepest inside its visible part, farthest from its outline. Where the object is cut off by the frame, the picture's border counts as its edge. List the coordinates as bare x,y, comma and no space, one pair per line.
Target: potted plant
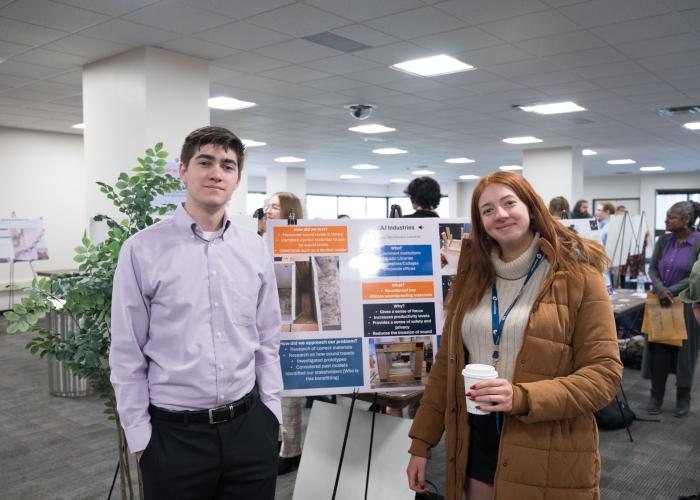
86,296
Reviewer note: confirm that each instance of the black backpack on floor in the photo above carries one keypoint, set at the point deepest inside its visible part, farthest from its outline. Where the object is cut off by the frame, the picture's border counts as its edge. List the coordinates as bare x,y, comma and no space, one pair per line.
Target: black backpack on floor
616,415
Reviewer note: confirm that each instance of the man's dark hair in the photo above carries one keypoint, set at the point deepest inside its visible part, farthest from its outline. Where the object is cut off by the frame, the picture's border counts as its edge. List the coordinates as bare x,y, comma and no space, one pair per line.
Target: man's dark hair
424,192
219,136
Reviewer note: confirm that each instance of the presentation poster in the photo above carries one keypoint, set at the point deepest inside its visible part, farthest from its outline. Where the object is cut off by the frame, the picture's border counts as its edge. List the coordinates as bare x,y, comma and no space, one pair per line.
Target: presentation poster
362,300
26,239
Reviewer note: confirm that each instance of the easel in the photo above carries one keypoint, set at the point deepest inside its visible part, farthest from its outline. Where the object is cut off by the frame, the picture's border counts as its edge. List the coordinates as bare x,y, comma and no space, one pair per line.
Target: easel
11,288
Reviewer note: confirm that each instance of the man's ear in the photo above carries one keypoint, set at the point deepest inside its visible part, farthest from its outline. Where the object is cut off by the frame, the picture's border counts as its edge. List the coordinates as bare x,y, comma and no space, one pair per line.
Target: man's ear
182,170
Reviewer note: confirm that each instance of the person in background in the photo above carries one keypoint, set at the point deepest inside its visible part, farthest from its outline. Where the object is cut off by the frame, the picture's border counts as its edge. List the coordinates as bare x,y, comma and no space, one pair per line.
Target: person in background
559,208
279,206
674,255
691,295
553,341
424,193
195,340
395,212
603,211
581,210
621,210
343,216
259,214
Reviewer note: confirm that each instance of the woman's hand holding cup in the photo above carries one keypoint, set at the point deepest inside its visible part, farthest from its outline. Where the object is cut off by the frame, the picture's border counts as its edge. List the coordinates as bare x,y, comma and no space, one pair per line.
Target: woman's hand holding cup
497,391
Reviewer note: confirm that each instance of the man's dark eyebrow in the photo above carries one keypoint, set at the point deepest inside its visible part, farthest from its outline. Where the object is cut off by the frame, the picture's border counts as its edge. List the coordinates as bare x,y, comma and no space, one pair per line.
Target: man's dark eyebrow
204,156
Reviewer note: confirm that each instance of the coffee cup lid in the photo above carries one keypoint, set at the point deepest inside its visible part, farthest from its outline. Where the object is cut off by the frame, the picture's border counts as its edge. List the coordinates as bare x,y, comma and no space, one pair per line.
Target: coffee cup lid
479,370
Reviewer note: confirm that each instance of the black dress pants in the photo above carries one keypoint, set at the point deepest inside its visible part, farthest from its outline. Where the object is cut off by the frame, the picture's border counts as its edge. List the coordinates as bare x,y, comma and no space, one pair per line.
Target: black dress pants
232,460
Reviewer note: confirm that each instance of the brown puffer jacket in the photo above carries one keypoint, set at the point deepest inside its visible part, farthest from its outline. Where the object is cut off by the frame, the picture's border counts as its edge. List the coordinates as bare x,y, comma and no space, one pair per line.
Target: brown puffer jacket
567,368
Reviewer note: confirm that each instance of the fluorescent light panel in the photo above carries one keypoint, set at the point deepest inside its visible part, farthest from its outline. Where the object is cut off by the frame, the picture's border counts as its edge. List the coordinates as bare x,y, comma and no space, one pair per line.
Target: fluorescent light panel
433,66
554,108
508,168
289,159
528,139
657,168
250,143
349,176
365,166
692,125
371,128
229,103
624,161
469,177
398,180
389,151
81,126
589,152
459,160
422,172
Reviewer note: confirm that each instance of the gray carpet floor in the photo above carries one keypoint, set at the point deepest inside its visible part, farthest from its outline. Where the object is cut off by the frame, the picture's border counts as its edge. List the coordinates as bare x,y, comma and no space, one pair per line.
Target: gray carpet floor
57,448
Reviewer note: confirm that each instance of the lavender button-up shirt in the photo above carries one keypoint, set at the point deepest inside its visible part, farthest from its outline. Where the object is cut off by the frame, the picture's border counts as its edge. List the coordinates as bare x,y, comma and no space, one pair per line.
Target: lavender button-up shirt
195,322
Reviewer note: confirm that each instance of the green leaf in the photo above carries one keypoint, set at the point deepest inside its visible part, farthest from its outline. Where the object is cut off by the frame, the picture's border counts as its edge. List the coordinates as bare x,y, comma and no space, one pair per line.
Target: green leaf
11,316
121,184
20,309
159,146
162,154
161,162
150,152
160,170
80,258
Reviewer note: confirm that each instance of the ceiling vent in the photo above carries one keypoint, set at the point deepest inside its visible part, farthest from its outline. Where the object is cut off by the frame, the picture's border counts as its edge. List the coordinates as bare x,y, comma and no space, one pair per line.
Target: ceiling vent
680,110
337,42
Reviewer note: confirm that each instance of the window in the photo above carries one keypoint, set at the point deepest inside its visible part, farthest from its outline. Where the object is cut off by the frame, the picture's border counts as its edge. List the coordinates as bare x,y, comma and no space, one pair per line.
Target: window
664,201
443,210
357,207
254,200
321,207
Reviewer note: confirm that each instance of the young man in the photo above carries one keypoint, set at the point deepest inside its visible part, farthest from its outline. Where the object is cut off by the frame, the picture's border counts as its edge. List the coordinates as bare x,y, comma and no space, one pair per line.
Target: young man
195,340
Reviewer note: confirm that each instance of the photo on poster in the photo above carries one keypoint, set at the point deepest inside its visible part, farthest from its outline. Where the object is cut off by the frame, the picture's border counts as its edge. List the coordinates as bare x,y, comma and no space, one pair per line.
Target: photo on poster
309,293
451,236
27,238
400,361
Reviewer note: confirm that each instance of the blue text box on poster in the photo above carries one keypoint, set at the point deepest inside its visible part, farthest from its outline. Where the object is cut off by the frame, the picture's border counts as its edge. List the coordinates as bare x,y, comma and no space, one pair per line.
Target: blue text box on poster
311,364
406,260
399,318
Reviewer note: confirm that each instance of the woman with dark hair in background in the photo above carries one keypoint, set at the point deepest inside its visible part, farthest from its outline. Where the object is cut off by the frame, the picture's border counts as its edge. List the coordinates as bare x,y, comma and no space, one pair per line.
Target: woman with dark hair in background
529,280
395,212
581,210
424,193
674,255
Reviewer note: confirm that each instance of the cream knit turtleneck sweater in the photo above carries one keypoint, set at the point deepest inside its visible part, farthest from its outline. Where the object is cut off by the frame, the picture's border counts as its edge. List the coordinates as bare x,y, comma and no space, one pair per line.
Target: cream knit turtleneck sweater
476,325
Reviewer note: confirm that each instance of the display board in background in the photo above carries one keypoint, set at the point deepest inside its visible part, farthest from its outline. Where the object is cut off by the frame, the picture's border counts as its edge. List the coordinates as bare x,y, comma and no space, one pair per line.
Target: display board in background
26,240
361,300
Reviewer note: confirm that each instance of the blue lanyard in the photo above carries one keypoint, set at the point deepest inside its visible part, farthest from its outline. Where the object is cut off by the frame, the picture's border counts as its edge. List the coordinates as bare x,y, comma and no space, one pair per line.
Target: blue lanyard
497,322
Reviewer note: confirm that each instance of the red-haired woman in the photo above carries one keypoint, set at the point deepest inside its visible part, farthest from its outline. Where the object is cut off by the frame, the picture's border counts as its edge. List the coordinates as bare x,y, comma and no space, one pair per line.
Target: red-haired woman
529,299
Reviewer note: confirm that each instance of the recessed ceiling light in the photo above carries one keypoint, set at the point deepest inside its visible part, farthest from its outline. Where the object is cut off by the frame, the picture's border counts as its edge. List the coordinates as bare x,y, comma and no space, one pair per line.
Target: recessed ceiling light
459,160
528,139
469,177
371,128
433,66
398,180
508,168
349,176
692,125
389,151
588,152
289,159
422,172
229,103
624,161
365,166
81,126
657,168
250,143
553,108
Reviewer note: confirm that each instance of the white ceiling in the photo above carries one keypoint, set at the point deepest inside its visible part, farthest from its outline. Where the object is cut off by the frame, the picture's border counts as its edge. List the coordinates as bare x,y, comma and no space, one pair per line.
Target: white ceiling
621,59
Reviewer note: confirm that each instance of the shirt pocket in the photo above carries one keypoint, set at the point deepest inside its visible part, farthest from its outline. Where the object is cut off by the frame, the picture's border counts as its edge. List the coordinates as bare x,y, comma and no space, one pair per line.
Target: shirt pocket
244,302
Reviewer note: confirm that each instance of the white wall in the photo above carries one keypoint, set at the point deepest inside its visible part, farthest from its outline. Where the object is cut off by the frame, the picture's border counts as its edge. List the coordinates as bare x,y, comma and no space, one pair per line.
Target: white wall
42,175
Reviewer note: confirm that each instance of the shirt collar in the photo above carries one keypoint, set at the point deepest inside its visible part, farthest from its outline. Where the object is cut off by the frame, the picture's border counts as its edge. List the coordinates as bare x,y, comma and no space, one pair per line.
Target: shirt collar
691,238
184,220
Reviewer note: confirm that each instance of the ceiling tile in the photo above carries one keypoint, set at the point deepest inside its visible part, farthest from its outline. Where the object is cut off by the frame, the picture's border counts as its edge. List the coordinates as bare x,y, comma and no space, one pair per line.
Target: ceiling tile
602,12
238,9
491,56
368,92
291,90
340,65
51,15
394,53
554,78
297,51
74,77
522,68
414,85
361,10
642,29
661,46
298,20
173,16
571,89
590,57
52,59
379,75
238,79
13,81
335,83
125,32
363,34
294,74
461,40
92,48
26,70
249,62
644,88
109,7
561,43
197,48
415,23
28,34
483,11
668,61
8,49
329,99
530,26
609,69
242,36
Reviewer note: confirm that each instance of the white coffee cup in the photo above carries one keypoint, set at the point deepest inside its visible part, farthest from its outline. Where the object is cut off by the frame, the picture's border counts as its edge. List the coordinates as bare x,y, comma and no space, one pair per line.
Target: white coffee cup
473,374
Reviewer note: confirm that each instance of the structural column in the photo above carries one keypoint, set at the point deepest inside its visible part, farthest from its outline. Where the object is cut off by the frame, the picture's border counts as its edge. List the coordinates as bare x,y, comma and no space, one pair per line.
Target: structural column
463,204
555,172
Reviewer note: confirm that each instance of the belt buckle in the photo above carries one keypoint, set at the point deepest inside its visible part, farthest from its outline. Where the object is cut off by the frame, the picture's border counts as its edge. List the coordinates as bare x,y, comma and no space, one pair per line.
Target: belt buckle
231,413
212,421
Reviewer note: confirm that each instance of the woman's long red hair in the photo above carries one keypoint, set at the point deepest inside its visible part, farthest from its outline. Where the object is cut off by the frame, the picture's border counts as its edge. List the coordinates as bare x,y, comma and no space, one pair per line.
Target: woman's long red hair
476,272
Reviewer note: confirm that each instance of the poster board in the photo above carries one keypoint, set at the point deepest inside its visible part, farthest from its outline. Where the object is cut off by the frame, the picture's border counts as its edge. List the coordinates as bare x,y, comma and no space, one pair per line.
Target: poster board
585,228
625,236
361,301
7,253
27,240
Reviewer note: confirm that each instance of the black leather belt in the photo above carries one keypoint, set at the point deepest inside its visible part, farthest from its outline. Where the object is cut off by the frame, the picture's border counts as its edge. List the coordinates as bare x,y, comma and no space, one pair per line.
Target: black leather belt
217,415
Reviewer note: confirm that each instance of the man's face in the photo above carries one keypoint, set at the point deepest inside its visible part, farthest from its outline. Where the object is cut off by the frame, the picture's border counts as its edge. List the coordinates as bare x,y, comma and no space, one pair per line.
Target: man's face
211,176
601,214
584,208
